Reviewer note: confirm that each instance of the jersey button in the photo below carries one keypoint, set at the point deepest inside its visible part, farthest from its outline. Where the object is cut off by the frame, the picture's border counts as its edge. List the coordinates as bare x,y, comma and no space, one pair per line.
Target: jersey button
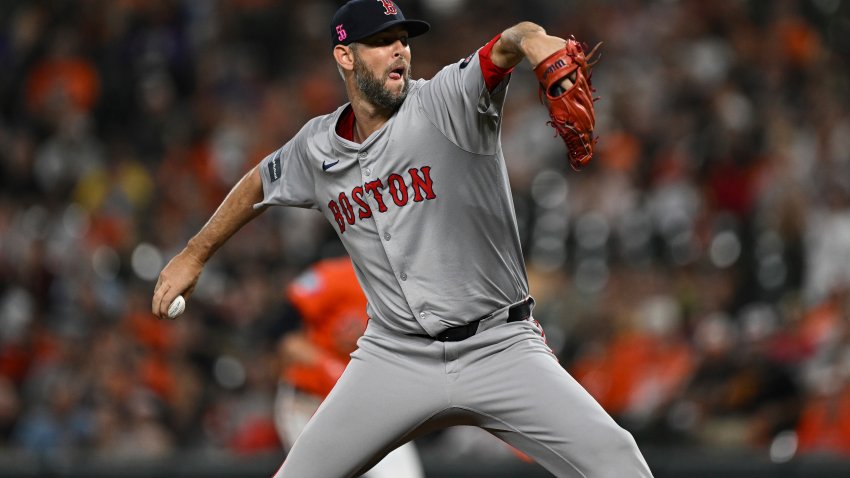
403,276
422,315
387,236
367,172
361,155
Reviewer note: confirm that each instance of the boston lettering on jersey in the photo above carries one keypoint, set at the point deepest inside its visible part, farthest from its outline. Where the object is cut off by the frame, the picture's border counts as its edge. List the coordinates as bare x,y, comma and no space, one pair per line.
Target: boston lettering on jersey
343,209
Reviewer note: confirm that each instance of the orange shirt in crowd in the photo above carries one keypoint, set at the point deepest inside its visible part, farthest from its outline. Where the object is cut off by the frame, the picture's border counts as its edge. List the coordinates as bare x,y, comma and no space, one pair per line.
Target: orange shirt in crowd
635,371
333,312
825,424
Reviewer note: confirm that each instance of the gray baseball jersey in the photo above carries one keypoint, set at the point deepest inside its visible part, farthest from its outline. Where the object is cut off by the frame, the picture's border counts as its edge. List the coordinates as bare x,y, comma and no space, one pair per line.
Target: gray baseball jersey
424,208
423,205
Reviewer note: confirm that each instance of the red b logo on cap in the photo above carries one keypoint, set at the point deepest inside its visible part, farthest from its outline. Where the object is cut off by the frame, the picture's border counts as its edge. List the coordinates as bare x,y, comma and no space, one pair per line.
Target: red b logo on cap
389,8
340,32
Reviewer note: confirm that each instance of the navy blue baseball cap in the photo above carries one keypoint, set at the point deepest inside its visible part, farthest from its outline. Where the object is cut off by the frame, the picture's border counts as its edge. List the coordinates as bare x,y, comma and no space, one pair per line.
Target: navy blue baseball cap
359,19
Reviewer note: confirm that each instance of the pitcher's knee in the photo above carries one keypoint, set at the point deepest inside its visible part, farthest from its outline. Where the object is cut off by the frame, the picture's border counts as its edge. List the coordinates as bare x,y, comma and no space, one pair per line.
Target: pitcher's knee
624,440
621,455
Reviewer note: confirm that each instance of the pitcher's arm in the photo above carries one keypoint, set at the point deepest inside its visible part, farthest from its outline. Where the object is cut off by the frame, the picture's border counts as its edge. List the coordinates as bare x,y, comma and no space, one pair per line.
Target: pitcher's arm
181,273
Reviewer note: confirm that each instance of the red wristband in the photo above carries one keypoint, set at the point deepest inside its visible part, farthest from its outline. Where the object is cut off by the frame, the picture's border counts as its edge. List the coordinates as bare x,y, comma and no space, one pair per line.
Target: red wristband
493,74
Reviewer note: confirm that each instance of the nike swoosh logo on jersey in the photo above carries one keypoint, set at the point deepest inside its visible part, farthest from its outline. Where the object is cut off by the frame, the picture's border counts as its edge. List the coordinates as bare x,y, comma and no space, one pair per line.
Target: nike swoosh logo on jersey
326,165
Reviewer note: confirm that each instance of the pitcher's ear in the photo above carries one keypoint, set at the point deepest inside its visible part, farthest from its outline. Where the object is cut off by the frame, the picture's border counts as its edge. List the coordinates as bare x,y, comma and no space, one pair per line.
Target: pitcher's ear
344,56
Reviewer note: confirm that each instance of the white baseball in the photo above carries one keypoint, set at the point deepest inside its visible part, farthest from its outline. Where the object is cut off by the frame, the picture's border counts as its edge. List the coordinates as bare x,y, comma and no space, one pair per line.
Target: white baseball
178,305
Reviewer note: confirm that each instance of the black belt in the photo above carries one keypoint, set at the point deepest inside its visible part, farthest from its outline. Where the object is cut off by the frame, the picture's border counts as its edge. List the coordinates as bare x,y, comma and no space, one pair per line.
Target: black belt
516,313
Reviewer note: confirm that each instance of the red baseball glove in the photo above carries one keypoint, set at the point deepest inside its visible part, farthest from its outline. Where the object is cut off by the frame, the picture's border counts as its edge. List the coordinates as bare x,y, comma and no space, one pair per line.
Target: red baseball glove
571,110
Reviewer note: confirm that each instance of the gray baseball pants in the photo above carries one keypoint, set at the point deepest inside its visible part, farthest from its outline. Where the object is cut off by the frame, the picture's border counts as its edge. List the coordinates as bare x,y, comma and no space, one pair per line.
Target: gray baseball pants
505,380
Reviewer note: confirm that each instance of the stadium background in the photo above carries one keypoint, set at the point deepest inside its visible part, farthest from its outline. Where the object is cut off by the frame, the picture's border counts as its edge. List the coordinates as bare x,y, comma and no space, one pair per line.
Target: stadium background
694,278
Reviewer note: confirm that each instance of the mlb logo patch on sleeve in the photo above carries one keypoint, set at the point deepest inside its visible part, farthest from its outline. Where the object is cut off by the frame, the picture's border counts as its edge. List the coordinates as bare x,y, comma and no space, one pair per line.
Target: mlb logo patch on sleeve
274,167
466,61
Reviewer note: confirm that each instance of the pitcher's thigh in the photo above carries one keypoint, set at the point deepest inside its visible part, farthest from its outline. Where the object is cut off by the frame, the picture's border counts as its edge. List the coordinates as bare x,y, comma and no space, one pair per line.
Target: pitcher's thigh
372,407
532,403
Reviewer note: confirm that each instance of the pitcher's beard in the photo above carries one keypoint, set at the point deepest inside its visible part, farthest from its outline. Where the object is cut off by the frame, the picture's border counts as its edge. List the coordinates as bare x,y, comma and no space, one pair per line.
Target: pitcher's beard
375,91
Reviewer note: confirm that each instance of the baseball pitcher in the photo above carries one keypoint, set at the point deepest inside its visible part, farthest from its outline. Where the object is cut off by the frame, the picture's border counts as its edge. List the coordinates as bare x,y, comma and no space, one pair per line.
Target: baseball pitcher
412,176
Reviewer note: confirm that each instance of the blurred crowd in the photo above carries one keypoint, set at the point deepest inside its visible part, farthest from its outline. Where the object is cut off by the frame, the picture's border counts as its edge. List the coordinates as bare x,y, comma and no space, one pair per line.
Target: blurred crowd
695,279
